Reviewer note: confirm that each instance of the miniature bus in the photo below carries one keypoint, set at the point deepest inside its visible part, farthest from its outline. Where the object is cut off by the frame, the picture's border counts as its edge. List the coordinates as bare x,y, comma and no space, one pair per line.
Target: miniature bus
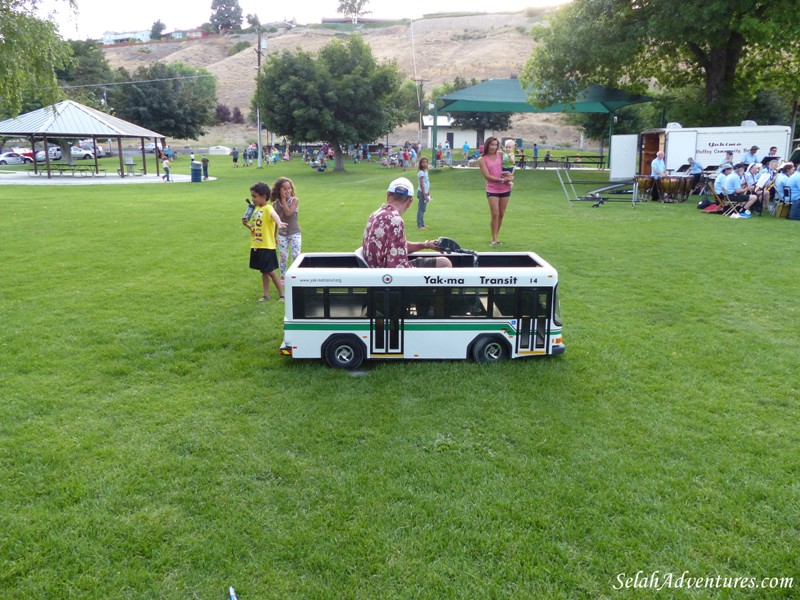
487,306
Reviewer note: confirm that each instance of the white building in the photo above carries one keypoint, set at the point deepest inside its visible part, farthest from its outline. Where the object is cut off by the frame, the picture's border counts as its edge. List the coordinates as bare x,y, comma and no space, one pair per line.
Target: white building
123,37
455,136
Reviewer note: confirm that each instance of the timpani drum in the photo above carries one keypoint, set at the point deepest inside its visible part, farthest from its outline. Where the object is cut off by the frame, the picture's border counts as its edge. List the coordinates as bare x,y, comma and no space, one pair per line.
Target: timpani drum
644,182
671,188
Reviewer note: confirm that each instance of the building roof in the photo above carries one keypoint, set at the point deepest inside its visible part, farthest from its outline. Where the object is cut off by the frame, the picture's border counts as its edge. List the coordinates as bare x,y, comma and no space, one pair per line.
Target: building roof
71,119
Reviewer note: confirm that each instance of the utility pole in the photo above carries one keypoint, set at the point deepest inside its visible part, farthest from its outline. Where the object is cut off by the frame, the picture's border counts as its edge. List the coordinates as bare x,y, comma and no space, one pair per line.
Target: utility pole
259,49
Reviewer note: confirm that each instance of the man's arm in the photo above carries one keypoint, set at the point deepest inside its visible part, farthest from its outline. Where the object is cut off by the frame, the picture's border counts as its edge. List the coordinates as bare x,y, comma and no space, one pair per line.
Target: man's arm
417,246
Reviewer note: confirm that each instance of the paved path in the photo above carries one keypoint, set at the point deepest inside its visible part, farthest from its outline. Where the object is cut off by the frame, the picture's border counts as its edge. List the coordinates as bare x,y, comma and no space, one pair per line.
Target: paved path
22,178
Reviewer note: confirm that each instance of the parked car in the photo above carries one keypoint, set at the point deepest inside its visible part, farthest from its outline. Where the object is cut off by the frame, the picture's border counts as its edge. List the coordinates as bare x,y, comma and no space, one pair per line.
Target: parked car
23,151
14,158
89,148
80,153
150,147
223,150
53,151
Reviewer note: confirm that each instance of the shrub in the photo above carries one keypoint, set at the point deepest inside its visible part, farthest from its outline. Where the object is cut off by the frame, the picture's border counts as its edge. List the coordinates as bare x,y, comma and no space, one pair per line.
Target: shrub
238,47
223,113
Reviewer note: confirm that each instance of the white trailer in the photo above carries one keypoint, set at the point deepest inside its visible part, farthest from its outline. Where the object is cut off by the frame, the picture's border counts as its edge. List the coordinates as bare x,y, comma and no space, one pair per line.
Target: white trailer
708,145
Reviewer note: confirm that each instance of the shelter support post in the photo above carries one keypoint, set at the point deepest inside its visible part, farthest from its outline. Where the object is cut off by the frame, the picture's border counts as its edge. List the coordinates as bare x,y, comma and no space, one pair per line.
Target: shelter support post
435,131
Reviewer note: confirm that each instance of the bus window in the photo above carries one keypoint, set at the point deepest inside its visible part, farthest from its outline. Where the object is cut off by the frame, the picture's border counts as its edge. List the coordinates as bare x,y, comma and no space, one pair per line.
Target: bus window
309,303
504,302
425,303
557,307
469,302
347,303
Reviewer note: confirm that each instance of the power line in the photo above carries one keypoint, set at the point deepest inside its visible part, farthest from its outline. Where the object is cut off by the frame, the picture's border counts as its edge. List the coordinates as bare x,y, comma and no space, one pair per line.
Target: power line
70,87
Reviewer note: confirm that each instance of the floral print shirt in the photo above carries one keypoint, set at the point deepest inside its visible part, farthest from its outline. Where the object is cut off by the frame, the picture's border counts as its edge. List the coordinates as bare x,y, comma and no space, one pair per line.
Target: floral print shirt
384,242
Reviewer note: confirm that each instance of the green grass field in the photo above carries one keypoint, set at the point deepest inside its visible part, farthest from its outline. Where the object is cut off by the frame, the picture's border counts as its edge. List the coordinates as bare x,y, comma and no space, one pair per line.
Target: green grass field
153,444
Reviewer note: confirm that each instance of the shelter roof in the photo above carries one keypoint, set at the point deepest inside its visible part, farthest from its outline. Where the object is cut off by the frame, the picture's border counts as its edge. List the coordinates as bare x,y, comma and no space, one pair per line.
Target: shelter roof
71,119
507,95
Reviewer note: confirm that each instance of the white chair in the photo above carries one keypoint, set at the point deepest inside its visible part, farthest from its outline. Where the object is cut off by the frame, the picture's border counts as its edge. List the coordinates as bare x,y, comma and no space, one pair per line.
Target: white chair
359,252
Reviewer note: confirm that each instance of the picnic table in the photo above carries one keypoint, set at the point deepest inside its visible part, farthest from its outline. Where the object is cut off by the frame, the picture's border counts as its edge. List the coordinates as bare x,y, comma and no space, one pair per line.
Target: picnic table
131,168
82,170
585,160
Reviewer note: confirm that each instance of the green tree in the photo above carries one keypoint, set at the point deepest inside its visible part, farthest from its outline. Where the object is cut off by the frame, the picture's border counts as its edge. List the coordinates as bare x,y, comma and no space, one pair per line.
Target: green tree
226,15
157,30
341,96
636,43
779,75
253,22
83,77
353,9
174,100
30,52
411,98
479,121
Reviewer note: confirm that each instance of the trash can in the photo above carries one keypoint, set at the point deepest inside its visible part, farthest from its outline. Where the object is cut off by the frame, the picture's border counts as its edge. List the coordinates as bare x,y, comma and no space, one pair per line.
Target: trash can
197,172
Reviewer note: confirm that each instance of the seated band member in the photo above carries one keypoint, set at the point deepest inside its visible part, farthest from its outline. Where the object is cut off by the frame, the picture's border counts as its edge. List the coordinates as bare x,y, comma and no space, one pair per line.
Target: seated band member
719,182
737,191
750,156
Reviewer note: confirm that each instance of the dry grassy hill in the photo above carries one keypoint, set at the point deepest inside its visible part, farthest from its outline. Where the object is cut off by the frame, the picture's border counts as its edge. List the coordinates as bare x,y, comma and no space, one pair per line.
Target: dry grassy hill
436,49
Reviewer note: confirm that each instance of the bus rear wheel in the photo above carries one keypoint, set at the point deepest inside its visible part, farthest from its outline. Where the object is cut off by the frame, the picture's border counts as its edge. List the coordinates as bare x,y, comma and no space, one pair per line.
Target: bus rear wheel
488,349
344,352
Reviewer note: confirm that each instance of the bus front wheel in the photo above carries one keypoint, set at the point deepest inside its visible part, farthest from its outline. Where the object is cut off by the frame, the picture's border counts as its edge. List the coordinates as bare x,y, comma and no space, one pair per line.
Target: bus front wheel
488,349
344,352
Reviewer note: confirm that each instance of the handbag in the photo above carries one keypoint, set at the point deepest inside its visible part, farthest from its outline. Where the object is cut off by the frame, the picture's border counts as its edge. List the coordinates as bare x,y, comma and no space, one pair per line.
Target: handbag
782,209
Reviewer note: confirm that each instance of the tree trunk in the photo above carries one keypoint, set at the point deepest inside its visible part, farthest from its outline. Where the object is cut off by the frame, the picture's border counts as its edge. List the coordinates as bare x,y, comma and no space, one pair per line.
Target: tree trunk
338,157
720,68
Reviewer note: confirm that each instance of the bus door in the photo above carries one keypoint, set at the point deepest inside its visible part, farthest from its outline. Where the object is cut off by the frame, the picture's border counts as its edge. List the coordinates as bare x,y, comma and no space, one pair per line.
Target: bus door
533,318
386,322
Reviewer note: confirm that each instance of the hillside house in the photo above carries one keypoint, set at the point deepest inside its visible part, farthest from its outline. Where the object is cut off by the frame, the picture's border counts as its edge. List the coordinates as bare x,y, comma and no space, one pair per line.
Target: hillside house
187,34
123,37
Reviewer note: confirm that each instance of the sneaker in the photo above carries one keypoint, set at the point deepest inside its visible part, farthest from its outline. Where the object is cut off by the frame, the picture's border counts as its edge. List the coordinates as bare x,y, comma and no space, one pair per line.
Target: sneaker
747,212
736,216
745,215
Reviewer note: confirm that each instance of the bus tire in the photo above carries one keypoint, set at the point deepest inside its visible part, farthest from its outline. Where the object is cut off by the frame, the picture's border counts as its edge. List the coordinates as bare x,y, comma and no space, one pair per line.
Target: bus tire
489,349
344,352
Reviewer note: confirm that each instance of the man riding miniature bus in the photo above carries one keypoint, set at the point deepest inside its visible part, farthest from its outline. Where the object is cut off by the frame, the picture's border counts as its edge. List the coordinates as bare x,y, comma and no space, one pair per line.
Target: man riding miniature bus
353,306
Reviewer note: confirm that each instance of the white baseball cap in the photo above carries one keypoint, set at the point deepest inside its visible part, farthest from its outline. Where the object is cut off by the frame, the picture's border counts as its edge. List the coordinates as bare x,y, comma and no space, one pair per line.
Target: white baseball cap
402,187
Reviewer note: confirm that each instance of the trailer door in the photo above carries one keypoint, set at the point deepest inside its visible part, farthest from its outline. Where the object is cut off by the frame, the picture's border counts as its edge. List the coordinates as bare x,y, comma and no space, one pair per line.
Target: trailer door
622,155
680,145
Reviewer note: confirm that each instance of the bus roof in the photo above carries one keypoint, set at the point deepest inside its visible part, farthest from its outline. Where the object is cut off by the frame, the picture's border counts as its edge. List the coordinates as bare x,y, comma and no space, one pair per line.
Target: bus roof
494,269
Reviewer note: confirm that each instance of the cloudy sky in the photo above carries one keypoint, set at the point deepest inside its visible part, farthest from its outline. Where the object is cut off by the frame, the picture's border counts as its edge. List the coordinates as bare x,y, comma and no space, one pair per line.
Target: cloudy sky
95,17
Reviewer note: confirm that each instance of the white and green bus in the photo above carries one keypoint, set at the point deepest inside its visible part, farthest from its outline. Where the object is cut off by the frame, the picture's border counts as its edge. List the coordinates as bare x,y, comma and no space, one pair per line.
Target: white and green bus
490,306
